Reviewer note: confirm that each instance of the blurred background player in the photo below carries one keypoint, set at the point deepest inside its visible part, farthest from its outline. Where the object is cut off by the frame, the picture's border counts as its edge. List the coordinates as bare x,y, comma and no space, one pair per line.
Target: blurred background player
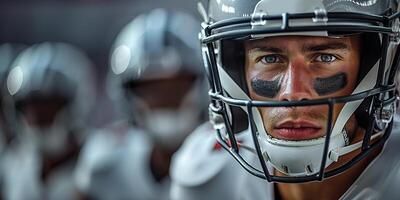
52,91
8,52
156,80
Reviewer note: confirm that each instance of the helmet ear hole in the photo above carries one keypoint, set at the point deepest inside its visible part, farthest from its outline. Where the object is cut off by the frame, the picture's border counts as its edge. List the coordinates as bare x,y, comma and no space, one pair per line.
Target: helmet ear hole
233,61
239,119
235,67
363,112
370,53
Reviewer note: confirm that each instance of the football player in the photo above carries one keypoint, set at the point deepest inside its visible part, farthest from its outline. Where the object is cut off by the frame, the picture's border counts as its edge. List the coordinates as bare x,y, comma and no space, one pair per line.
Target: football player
52,92
155,79
312,84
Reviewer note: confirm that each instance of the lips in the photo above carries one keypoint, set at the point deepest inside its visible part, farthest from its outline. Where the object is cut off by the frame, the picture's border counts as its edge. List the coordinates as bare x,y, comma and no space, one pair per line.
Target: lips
297,130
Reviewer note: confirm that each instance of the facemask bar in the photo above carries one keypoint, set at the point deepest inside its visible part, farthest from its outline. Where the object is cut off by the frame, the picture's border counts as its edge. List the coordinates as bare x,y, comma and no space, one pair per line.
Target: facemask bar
262,158
218,106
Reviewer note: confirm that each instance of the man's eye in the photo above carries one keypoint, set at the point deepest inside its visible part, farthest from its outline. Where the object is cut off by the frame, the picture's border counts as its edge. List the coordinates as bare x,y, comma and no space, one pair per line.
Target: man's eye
325,58
269,59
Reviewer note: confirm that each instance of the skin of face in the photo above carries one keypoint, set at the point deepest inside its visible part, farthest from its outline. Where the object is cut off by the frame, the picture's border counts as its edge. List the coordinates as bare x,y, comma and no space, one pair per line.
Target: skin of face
302,64
43,112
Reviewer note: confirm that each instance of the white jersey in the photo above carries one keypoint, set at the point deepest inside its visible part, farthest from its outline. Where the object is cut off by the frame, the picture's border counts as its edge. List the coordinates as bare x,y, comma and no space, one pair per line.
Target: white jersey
201,169
380,180
117,166
21,176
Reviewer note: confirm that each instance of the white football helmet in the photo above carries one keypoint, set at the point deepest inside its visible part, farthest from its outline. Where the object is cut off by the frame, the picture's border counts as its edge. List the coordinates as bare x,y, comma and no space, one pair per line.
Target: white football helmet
155,75
227,24
52,91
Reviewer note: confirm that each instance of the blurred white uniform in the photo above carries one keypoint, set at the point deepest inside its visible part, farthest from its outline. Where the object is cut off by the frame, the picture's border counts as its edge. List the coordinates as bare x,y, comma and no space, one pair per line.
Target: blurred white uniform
148,61
381,179
116,166
21,168
201,171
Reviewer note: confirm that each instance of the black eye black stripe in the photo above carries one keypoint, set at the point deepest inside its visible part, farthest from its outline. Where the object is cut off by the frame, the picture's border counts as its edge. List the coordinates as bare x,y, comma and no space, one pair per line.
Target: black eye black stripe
329,85
266,88
323,86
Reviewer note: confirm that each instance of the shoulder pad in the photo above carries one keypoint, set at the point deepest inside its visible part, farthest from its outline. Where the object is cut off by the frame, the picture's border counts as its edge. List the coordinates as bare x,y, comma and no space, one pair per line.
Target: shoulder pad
104,150
199,159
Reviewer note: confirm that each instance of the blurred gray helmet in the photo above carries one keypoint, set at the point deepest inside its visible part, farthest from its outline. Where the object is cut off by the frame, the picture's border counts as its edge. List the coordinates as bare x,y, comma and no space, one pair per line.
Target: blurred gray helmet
154,49
52,91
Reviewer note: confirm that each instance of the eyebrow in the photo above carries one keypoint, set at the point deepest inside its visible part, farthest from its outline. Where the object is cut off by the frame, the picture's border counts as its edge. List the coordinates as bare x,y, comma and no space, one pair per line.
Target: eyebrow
266,49
327,46
306,48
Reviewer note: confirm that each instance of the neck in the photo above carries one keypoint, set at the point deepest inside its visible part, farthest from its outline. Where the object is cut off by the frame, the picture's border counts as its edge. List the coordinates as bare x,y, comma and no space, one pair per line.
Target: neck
331,188
50,163
160,162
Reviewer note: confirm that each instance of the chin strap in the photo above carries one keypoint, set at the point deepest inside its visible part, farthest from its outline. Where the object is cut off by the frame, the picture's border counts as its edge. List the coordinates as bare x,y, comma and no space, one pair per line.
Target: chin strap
334,154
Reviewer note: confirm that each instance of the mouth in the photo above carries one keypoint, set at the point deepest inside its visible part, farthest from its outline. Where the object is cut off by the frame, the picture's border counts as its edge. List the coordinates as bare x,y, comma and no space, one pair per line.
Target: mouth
297,130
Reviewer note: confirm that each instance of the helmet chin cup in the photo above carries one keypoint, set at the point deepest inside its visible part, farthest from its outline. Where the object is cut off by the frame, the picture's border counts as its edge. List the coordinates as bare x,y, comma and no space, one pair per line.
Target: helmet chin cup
299,158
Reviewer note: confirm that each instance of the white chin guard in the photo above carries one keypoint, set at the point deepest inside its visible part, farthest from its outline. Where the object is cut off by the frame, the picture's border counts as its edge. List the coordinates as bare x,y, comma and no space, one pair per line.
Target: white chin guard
300,158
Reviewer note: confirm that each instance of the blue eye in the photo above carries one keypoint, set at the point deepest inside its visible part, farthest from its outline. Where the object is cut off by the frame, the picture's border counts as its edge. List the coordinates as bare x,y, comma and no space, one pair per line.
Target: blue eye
325,58
269,59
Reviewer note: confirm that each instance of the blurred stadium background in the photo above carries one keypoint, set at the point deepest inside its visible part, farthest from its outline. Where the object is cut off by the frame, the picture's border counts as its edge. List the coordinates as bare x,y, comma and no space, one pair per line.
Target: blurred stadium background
91,25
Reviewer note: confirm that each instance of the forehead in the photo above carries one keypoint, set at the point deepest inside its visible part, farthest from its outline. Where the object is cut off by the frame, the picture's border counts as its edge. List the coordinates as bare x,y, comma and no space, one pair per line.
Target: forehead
288,42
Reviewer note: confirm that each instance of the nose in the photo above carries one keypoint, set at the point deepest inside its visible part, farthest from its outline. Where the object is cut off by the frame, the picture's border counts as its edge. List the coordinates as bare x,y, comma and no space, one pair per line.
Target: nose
297,82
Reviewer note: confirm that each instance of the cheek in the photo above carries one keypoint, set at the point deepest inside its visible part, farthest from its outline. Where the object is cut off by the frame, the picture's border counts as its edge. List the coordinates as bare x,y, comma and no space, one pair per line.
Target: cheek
262,84
340,84
266,115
